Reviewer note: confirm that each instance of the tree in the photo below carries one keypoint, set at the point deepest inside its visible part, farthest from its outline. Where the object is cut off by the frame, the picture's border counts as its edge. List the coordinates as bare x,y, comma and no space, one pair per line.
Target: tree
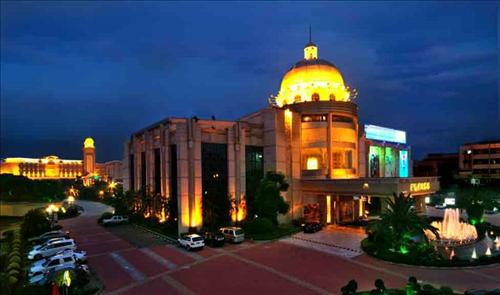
398,224
475,200
268,200
34,223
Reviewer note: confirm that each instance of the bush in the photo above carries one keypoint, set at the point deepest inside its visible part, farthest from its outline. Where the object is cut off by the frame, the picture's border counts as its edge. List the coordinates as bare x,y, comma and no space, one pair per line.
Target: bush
15,259
260,225
13,265
34,223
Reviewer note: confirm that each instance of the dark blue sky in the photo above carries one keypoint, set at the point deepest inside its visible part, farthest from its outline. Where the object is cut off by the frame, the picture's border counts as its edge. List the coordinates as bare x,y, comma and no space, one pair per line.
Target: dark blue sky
76,69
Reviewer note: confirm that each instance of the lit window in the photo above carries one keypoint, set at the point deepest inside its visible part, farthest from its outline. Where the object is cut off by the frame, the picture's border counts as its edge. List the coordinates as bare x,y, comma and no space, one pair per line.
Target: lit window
315,97
312,163
332,97
297,98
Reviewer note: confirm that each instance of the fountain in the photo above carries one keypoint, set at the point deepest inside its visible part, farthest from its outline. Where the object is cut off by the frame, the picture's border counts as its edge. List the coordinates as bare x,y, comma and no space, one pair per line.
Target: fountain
452,232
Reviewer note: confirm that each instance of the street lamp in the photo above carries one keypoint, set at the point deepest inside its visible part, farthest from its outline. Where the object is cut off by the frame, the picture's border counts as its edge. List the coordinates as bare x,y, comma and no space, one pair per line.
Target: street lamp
101,194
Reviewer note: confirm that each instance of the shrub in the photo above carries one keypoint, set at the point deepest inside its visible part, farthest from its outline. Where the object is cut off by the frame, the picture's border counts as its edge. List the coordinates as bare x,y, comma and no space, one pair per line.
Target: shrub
16,259
259,226
14,273
446,290
13,265
13,280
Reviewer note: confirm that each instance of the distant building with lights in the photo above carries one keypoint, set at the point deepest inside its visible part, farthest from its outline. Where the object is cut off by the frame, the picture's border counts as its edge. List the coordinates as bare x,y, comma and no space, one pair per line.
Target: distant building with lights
480,161
52,167
338,170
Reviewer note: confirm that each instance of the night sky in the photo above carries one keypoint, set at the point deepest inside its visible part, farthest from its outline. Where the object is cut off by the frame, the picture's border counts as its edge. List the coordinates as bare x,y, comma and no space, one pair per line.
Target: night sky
71,70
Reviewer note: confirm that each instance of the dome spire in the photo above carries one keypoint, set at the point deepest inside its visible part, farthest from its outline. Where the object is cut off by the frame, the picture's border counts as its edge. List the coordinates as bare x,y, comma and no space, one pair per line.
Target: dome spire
310,50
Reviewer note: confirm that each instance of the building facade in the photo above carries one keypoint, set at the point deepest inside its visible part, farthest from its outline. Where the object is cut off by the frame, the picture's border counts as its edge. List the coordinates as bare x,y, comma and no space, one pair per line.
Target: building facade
52,167
480,161
337,170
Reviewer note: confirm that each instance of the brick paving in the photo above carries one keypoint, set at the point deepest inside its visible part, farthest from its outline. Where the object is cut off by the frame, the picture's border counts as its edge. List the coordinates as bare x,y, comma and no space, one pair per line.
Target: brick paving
248,268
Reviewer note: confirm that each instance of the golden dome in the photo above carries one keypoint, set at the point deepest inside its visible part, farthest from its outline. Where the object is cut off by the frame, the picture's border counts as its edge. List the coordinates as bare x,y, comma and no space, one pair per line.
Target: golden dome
88,143
312,79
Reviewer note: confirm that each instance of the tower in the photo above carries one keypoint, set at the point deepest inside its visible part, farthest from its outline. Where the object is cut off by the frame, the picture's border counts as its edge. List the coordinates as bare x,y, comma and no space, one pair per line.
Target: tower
88,156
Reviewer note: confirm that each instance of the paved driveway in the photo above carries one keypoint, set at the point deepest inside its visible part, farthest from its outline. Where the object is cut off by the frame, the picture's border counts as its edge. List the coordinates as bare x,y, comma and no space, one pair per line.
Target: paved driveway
127,267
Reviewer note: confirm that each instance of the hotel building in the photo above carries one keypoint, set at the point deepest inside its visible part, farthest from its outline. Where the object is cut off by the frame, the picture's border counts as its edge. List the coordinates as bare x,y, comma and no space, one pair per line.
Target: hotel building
338,171
52,167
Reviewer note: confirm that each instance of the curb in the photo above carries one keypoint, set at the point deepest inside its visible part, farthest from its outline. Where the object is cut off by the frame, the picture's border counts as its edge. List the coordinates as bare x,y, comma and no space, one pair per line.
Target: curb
156,234
327,244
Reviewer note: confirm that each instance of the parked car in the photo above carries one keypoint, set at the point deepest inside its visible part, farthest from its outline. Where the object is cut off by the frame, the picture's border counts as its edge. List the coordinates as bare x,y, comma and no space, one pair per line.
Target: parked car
233,234
51,249
49,242
214,239
192,241
312,227
116,219
52,263
49,235
440,206
47,277
80,256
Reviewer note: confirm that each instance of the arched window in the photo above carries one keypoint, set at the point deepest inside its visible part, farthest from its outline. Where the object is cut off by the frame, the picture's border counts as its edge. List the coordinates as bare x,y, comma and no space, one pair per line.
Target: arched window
298,98
332,97
315,97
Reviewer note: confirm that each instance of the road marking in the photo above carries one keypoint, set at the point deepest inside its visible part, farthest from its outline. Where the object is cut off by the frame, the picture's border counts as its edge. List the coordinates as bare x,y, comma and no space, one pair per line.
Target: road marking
193,255
132,271
158,258
177,285
282,275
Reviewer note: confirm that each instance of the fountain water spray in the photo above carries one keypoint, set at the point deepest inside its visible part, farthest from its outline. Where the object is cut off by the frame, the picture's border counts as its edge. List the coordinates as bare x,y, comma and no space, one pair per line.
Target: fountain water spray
451,230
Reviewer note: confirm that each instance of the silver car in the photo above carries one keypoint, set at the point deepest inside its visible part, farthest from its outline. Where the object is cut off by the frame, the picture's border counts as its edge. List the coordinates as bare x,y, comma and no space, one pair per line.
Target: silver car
51,249
233,234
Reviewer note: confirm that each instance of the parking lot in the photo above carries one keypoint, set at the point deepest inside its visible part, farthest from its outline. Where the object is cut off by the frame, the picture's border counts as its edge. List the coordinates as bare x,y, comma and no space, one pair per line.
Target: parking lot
129,260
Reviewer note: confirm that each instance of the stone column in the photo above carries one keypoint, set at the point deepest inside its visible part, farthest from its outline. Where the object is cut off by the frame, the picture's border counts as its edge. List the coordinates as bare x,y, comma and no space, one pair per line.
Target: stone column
181,135
231,165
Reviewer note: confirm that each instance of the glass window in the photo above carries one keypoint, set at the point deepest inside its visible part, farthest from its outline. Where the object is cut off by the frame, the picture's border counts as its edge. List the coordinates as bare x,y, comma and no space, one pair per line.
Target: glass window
314,118
68,259
336,160
312,163
54,262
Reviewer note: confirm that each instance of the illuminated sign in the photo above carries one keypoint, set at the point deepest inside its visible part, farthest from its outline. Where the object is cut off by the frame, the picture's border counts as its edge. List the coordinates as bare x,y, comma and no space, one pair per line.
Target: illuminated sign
420,186
385,134
403,163
449,201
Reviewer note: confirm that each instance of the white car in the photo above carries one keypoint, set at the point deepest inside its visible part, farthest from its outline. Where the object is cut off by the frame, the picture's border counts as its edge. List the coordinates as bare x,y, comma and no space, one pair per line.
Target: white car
53,263
192,241
48,242
80,256
49,235
117,219
51,249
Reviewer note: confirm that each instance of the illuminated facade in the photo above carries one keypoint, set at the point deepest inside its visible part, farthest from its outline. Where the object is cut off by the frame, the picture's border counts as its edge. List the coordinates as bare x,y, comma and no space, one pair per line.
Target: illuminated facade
310,133
52,167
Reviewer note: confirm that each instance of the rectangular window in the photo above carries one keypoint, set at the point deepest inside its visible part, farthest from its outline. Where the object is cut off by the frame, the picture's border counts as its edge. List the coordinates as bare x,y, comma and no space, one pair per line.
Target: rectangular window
157,176
314,118
214,183
348,160
342,121
336,160
254,172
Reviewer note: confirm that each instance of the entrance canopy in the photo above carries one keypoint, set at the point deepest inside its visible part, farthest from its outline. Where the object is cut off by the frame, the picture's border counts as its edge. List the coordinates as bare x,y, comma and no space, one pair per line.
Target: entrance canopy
383,187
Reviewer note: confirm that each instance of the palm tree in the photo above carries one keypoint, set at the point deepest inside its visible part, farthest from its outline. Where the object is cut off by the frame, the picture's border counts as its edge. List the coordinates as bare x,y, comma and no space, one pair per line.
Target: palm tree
399,223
